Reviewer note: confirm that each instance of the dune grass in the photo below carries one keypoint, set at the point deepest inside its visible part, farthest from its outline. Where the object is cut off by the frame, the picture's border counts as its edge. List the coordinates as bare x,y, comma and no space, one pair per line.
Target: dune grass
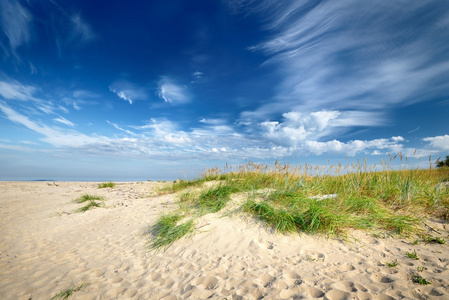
65,294
92,201
328,200
87,197
106,185
420,280
167,230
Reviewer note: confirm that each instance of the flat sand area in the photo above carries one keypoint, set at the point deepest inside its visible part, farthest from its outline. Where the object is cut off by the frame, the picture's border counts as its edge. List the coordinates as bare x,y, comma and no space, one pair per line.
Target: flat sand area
46,247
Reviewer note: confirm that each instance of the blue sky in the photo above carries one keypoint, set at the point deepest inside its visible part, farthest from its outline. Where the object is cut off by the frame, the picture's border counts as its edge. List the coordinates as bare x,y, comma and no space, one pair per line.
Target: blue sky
160,89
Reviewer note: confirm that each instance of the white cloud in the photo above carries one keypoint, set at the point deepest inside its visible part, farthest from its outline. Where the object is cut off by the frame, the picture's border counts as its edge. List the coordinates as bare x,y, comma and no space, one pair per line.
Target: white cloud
397,139
295,134
80,98
128,91
121,129
15,21
439,142
197,76
13,90
350,57
212,121
354,147
51,135
297,128
81,29
64,121
171,92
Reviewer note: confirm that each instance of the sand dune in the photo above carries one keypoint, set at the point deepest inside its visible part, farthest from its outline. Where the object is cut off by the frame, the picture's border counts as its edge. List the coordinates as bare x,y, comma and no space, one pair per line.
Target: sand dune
45,247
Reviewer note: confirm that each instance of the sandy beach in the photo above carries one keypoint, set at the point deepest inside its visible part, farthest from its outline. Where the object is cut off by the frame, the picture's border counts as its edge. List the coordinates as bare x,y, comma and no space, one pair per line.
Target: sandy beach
47,247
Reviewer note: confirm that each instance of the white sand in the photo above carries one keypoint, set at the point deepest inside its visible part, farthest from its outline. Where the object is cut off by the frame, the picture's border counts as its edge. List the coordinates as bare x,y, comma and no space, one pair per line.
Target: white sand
45,247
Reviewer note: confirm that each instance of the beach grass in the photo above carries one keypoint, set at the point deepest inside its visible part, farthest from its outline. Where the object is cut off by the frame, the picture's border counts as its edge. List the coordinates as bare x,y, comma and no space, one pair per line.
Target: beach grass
392,264
92,202
168,229
434,240
65,294
87,197
329,200
412,255
109,184
420,280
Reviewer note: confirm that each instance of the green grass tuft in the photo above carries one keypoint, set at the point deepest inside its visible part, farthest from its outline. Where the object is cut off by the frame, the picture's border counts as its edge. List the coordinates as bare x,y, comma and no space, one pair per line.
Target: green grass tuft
167,230
90,205
106,185
412,255
87,197
65,294
92,202
437,240
214,199
392,264
420,280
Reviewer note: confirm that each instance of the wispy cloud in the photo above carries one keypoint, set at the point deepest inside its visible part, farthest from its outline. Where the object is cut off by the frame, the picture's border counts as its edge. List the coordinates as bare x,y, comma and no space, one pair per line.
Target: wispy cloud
51,135
120,128
128,91
345,56
79,98
16,91
81,29
16,21
64,121
171,92
13,90
196,76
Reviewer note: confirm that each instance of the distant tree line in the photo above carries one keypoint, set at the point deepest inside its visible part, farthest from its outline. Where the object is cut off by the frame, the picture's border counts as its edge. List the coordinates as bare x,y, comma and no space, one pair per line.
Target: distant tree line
443,163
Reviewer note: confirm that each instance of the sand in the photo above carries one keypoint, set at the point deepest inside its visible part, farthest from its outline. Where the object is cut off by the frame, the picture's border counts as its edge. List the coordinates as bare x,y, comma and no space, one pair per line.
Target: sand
46,247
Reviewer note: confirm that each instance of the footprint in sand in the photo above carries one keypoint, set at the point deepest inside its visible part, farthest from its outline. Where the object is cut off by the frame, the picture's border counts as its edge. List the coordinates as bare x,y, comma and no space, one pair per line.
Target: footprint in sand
337,295
207,282
345,286
314,292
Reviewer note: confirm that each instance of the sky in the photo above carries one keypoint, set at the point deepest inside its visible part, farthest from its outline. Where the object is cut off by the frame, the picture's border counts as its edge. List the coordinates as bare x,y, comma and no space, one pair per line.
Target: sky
159,90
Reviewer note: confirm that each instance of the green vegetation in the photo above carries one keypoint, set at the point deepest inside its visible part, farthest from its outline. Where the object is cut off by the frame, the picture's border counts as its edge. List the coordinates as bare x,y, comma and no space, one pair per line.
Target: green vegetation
317,199
431,240
65,294
214,199
421,269
392,264
167,230
106,185
443,163
412,255
92,201
418,279
87,197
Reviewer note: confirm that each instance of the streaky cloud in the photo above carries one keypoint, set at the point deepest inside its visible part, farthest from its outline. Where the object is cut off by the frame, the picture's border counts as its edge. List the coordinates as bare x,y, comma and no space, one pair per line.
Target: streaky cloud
128,91
16,21
350,57
13,90
64,121
171,92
